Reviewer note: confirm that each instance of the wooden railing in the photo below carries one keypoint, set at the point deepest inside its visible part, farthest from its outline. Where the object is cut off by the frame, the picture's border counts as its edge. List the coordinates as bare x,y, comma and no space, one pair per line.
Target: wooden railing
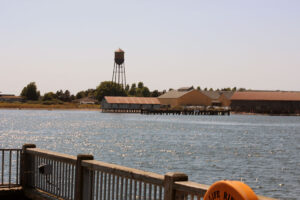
116,182
81,178
10,167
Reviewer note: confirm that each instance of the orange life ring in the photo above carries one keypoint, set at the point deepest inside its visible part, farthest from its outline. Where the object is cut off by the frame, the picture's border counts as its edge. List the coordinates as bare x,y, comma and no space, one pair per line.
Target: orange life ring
230,190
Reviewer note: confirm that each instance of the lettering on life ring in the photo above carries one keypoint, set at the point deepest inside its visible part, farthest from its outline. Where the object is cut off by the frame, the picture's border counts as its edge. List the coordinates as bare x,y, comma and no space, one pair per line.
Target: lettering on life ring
230,190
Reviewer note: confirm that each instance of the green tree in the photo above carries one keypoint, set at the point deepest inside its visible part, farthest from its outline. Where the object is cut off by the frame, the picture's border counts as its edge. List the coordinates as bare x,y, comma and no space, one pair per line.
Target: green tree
108,88
140,85
60,95
127,88
199,88
154,93
145,92
67,96
132,91
80,95
49,96
30,92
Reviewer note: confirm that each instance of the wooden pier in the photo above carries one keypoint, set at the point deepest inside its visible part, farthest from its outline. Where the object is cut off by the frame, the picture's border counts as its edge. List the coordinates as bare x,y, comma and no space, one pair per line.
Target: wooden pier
185,112
168,112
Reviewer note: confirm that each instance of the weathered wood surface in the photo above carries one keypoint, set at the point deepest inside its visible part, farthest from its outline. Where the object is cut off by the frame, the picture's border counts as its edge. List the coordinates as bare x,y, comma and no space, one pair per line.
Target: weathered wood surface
52,155
191,187
127,172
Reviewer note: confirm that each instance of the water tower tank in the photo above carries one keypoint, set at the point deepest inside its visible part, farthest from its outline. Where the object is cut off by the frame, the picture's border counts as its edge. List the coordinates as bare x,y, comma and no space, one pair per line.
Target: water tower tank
119,56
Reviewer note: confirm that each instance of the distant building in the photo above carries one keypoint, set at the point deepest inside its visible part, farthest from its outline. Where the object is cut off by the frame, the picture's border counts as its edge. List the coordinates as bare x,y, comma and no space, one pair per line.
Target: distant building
184,89
86,100
129,104
225,97
188,96
10,98
269,102
179,98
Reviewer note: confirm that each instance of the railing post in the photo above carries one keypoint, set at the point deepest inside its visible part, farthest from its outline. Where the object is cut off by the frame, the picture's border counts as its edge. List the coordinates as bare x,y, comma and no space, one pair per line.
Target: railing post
83,179
27,166
170,179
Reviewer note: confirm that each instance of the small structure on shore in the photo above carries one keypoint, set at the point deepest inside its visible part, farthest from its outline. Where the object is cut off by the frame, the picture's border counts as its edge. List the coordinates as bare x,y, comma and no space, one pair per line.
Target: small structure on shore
129,104
10,98
86,100
267,102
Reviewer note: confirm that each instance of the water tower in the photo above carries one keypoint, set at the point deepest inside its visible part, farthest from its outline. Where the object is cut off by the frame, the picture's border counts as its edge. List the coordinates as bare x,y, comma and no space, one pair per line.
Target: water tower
119,76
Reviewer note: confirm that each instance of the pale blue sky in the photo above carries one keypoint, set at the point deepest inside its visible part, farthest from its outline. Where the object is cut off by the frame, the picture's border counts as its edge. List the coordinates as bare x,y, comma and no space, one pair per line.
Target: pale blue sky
63,44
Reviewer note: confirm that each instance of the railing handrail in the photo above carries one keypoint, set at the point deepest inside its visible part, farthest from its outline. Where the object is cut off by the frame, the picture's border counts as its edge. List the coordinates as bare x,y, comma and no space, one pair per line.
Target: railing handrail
191,187
127,172
10,149
52,155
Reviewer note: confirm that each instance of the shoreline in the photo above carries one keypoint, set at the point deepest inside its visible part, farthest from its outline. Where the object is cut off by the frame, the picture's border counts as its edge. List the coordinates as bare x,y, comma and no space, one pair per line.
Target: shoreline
99,109
39,106
50,109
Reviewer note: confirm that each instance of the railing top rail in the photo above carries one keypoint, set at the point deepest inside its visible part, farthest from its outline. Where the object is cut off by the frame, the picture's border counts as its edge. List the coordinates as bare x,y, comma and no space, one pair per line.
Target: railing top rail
10,149
191,187
127,172
52,155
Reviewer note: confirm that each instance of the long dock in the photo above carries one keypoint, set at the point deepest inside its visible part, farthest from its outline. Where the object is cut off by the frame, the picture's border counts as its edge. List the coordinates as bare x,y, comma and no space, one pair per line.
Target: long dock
168,112
185,112
41,174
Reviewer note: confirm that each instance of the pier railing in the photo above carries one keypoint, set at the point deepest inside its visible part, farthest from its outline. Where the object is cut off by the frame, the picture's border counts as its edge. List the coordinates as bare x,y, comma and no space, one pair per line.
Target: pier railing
63,176
10,167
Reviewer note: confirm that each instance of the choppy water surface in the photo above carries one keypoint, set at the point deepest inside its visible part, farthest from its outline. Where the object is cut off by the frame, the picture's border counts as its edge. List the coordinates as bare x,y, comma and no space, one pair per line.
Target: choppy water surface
262,151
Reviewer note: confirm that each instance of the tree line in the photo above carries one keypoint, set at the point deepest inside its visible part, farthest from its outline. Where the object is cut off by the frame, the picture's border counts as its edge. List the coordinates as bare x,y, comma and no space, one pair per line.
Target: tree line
105,88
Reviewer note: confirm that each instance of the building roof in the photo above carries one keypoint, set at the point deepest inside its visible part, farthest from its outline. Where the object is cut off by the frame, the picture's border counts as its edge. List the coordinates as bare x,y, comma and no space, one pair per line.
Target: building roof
266,96
227,94
5,95
10,97
211,94
185,88
173,94
132,100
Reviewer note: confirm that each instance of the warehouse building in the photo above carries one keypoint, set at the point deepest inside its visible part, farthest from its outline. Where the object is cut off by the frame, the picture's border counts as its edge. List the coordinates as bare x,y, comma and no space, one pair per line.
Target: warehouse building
225,98
176,98
268,102
129,104
190,97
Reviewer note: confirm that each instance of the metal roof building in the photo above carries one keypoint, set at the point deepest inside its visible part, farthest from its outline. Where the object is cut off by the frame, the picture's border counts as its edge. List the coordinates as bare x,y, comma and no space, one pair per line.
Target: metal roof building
129,104
270,102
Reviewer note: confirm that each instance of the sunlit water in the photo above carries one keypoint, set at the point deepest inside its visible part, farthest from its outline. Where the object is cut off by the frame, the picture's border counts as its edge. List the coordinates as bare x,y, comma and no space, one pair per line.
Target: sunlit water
262,151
